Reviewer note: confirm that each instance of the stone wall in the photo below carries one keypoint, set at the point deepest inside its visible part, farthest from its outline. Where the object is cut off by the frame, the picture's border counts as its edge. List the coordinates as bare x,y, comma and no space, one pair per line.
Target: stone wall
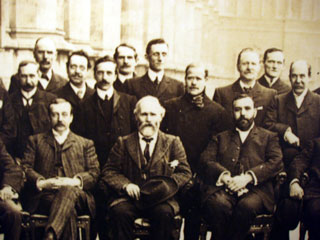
210,31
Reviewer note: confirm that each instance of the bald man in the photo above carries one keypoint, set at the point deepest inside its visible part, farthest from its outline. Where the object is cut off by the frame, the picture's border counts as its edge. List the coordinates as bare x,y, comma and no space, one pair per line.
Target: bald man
45,54
295,116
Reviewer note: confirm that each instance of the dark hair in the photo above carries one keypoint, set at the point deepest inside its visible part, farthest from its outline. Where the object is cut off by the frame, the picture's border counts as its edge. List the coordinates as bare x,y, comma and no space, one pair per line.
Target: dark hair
206,72
246,50
25,63
308,65
153,42
58,101
270,50
106,58
241,96
116,54
79,53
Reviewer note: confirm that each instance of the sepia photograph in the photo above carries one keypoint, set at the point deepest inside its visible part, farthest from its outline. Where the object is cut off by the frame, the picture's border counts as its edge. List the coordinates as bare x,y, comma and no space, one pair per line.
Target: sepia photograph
160,119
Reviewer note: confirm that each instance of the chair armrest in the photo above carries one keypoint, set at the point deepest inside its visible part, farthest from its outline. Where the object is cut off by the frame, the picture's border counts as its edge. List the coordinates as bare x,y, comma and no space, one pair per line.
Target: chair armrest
281,178
304,179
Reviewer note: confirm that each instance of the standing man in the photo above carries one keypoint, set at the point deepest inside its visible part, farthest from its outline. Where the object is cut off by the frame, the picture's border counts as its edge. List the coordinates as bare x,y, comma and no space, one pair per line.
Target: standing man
11,180
192,109
126,58
136,159
238,169
248,65
61,168
30,106
45,54
76,91
106,115
273,60
295,116
155,82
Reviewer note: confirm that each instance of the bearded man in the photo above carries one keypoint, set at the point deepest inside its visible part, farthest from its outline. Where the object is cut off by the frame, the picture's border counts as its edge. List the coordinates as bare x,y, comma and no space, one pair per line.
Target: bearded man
238,166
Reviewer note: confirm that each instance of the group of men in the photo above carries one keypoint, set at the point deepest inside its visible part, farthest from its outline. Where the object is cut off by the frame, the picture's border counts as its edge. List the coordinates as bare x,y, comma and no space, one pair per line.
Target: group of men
153,146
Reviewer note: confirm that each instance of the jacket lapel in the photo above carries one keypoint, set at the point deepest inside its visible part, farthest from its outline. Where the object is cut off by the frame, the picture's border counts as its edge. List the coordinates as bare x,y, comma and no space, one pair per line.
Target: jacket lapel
236,87
307,102
116,98
163,85
133,147
291,103
50,139
160,149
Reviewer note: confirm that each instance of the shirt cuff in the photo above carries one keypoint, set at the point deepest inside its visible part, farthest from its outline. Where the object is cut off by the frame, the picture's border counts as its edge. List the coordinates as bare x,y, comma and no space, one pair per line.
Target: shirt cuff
286,132
37,183
219,183
295,180
81,181
254,178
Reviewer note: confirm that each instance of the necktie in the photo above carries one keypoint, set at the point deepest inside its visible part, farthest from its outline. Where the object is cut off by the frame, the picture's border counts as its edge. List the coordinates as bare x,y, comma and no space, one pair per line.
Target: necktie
79,94
156,82
247,89
28,101
44,76
146,152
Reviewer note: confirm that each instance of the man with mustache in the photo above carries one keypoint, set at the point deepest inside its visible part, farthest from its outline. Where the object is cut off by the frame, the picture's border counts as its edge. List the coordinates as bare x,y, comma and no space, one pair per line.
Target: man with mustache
155,82
76,91
273,60
136,158
295,116
126,58
238,167
195,119
61,170
248,65
30,106
45,54
106,115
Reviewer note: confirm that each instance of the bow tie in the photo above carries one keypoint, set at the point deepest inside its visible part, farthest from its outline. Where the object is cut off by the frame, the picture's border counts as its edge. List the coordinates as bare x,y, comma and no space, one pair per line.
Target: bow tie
247,89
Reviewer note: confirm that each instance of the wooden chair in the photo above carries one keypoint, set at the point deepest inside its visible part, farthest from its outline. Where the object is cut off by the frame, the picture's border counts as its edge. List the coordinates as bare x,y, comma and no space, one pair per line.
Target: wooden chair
262,223
142,228
303,229
83,224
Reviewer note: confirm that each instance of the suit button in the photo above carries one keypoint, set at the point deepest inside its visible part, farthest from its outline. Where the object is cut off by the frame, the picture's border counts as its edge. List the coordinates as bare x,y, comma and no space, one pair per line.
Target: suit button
238,148
233,159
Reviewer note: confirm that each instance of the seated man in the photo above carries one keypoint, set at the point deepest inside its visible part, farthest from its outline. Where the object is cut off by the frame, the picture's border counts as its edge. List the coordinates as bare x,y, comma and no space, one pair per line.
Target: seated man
11,183
308,160
133,161
61,168
238,166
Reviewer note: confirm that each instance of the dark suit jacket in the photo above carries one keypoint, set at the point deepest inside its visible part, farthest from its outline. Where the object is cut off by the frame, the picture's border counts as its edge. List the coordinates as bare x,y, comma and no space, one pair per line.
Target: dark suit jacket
280,86
8,128
262,97
78,158
95,126
119,86
55,83
304,122
308,161
10,173
38,115
68,94
260,153
124,164
317,91
143,86
195,126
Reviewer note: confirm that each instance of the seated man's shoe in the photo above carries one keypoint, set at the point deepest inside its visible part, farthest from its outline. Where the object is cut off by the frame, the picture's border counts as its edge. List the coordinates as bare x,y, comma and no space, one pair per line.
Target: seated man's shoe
49,235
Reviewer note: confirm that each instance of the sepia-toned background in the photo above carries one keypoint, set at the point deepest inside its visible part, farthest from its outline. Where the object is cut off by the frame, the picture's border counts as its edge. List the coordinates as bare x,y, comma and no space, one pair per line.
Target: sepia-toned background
210,31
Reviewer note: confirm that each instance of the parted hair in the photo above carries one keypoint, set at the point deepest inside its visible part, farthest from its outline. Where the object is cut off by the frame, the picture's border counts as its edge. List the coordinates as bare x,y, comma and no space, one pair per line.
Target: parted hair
116,54
153,42
79,53
106,58
58,101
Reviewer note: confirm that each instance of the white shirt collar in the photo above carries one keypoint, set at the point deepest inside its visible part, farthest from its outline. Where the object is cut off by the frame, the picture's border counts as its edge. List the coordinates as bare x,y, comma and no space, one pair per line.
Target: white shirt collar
123,78
244,134
60,138
299,98
152,143
44,83
76,89
242,84
153,75
30,94
268,79
102,93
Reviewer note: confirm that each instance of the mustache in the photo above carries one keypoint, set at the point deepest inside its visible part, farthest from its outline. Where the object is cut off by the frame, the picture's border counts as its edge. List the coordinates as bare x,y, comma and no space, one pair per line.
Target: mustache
45,62
79,75
143,125
59,124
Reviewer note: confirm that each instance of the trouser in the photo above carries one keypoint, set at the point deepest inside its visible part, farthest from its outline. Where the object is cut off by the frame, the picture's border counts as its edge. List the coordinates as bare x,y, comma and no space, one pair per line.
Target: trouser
10,219
230,217
311,217
63,207
122,218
